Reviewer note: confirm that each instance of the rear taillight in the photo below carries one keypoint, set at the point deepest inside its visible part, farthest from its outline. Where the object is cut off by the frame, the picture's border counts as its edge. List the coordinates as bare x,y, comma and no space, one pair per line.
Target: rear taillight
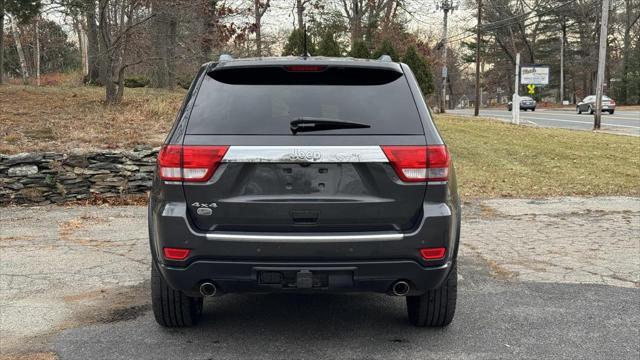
419,163
193,163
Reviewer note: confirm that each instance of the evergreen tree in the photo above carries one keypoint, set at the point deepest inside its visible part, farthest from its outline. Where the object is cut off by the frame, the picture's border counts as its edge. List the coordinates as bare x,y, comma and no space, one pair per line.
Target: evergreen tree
328,46
386,48
421,70
295,44
360,50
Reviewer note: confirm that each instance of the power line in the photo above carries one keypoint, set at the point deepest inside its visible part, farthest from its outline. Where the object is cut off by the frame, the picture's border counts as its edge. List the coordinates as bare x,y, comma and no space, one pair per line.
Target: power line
508,21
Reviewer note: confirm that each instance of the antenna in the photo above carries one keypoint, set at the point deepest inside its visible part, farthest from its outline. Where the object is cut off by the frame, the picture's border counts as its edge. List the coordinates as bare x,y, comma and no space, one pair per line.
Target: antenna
306,52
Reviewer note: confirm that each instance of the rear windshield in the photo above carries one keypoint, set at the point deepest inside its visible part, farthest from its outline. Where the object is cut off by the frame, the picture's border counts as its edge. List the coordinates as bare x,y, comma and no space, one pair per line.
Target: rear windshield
267,106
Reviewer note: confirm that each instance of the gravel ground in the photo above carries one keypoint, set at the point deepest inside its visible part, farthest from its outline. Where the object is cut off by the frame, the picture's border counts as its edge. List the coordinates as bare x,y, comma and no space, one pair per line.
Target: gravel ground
538,278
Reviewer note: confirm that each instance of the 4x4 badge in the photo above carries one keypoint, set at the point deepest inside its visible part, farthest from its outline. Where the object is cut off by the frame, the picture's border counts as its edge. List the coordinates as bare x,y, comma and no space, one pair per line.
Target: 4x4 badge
205,205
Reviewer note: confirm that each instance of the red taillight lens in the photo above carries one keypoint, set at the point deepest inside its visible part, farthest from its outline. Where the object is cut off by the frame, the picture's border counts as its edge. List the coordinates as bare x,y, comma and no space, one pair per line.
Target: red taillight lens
419,163
433,253
193,163
175,253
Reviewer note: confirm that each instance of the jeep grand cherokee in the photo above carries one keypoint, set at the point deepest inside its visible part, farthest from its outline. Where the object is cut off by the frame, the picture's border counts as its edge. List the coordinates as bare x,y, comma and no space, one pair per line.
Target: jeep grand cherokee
304,175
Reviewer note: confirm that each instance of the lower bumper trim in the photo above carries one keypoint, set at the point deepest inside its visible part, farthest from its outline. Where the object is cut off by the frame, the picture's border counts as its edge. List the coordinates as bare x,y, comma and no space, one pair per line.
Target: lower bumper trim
244,277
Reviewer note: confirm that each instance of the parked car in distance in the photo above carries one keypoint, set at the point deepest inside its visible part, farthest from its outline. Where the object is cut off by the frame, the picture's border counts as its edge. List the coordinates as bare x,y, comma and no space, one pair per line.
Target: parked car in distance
588,105
526,103
304,175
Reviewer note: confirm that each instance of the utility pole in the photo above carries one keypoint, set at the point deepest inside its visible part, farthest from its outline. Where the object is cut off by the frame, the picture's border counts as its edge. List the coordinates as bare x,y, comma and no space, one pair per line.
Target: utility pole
602,58
476,110
564,35
446,6
515,102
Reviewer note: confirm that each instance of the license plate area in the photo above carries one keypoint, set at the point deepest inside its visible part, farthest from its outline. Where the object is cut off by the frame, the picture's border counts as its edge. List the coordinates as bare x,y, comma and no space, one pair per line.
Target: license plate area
301,278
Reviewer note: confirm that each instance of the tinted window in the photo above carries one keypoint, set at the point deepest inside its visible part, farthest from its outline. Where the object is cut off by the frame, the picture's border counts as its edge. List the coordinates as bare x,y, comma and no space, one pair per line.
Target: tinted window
268,108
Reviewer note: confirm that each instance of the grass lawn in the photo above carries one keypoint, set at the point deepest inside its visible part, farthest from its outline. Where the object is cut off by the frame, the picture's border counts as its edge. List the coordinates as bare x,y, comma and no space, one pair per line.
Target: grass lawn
66,118
492,159
496,159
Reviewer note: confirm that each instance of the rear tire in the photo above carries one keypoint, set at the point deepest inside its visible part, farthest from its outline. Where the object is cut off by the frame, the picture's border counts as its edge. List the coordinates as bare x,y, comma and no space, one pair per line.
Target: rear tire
437,307
611,112
578,110
172,308
590,110
534,109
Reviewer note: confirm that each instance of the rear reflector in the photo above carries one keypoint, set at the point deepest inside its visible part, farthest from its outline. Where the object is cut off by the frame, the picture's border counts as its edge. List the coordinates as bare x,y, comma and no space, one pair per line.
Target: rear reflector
433,253
192,163
419,163
175,253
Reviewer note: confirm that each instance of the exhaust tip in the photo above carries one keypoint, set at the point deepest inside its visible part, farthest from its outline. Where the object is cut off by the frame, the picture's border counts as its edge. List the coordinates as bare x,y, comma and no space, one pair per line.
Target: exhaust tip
400,288
208,289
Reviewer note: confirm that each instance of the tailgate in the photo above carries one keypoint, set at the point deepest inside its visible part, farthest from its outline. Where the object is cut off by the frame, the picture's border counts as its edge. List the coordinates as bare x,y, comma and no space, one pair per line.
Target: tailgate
306,189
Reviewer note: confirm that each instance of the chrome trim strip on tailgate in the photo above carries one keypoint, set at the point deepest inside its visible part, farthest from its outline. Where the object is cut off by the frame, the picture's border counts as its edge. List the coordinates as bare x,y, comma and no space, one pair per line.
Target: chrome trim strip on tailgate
305,154
305,238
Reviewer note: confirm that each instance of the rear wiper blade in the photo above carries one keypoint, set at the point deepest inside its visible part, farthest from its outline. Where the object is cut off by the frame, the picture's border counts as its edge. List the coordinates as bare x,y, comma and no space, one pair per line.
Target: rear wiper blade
305,124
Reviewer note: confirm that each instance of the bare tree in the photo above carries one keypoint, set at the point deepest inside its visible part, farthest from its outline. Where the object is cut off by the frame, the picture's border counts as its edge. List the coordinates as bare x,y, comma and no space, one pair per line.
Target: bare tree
93,61
117,20
632,15
36,26
260,8
300,7
24,70
1,42
164,31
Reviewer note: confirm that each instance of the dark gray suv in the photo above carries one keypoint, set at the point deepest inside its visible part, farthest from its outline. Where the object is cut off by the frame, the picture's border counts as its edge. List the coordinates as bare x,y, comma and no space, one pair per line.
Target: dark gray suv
304,175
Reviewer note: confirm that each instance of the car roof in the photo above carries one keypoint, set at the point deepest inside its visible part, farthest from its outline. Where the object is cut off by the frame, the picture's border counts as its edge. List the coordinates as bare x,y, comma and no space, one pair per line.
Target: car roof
228,62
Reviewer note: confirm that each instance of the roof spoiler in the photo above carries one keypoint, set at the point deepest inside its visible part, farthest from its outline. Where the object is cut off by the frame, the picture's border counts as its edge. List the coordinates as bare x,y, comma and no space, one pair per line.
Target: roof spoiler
225,57
385,58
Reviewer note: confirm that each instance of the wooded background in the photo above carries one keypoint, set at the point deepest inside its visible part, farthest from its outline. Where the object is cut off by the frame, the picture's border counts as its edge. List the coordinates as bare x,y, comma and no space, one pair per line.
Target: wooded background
161,43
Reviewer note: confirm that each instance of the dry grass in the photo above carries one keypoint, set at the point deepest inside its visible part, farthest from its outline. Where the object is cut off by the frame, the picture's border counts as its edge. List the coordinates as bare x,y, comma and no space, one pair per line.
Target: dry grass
496,159
65,118
493,159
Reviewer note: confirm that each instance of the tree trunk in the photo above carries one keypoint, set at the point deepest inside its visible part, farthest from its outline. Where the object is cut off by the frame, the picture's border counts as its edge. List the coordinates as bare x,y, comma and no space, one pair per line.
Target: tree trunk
37,34
82,44
209,30
1,42
93,49
164,42
630,20
23,62
260,9
258,18
300,10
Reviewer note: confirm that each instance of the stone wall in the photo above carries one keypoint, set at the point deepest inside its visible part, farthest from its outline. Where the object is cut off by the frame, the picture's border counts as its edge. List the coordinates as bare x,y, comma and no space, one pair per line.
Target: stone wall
44,178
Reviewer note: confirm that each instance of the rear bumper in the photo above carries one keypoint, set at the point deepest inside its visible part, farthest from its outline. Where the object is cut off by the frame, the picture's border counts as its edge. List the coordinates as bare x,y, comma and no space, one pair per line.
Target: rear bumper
371,261
353,276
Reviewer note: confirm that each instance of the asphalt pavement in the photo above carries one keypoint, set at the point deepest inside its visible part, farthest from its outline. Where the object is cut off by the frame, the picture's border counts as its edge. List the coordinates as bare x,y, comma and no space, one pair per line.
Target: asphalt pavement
538,279
494,320
622,121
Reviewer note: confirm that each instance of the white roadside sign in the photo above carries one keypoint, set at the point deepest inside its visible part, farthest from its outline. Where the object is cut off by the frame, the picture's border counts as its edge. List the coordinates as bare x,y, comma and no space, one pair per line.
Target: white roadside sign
536,75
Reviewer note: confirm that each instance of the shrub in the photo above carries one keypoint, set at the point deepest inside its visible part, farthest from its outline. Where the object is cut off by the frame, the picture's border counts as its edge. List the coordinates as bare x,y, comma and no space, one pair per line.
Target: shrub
136,82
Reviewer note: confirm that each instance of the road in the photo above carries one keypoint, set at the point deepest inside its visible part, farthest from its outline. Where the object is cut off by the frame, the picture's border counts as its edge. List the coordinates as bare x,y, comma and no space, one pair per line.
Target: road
623,122
545,278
